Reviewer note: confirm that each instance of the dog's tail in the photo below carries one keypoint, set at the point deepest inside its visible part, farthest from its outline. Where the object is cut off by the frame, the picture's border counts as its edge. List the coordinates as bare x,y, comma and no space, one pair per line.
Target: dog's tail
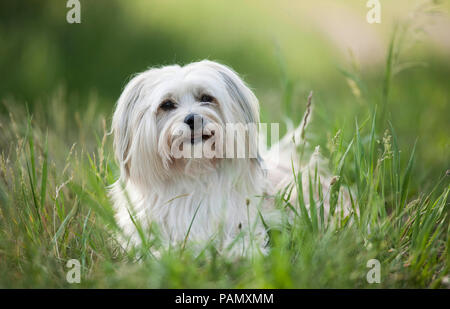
294,138
284,161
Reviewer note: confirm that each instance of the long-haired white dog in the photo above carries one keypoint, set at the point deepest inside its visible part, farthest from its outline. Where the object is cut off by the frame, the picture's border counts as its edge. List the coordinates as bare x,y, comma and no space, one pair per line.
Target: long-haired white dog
214,198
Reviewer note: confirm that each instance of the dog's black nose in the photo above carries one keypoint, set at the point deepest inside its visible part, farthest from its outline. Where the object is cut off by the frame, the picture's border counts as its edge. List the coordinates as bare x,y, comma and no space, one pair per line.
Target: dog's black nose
193,120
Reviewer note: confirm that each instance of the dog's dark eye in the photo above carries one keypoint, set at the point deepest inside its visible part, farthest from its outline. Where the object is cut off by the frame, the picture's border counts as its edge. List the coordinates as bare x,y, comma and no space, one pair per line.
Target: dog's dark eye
206,98
167,105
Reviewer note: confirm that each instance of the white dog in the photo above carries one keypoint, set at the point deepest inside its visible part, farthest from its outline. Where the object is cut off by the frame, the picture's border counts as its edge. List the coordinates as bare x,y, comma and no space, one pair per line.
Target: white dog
214,198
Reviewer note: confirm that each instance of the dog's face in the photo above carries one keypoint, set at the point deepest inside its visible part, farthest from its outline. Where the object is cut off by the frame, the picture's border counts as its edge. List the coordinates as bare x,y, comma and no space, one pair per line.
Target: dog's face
163,111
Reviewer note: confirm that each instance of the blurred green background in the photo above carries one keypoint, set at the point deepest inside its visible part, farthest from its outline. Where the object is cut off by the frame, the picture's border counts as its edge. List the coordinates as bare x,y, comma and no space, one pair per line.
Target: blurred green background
283,49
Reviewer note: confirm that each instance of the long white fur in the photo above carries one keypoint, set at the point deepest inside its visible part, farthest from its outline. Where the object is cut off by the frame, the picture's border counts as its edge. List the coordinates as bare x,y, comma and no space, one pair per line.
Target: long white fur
206,199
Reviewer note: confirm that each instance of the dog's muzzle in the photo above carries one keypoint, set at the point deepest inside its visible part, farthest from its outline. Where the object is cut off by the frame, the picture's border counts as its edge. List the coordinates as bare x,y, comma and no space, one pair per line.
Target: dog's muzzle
196,123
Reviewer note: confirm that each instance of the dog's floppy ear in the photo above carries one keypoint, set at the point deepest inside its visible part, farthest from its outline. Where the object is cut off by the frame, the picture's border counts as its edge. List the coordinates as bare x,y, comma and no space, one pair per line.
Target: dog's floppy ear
121,126
241,94
129,112
238,91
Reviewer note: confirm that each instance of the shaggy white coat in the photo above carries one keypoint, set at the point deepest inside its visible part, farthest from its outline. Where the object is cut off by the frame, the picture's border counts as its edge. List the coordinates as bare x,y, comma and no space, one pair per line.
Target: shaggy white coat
198,199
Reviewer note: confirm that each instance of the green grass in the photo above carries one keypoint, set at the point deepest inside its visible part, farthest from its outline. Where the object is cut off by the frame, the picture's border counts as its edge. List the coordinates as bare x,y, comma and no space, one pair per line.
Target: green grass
54,207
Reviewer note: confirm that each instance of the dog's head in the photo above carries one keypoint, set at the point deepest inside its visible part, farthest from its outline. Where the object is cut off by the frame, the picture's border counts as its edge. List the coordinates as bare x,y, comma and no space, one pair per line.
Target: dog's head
163,112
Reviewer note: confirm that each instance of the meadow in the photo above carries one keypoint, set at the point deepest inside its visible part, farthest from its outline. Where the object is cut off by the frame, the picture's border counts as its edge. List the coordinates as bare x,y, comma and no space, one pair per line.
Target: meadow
380,116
